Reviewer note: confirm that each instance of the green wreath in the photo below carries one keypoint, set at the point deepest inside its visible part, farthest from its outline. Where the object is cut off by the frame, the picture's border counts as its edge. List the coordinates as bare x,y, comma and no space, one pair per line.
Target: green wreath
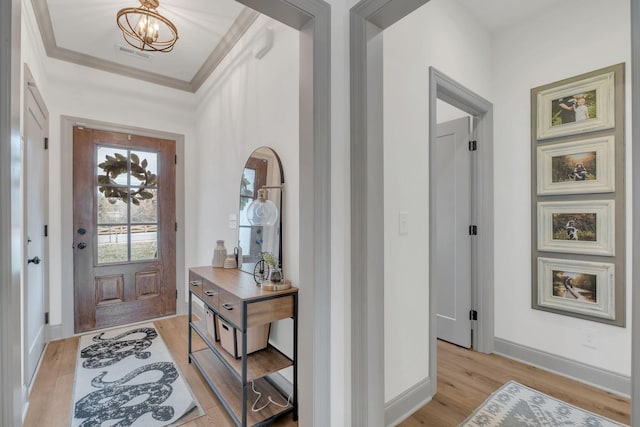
114,167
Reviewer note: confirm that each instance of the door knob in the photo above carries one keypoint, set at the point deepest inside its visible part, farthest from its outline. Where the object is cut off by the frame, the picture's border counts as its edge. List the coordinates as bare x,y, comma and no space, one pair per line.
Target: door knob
82,245
34,260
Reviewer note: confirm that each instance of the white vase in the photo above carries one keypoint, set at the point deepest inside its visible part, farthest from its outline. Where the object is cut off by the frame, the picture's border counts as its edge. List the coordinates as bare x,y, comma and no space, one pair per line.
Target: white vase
219,254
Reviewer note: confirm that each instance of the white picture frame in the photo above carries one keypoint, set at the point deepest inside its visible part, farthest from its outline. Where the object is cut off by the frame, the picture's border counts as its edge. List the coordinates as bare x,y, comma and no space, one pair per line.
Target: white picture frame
586,86
553,295
557,165
579,227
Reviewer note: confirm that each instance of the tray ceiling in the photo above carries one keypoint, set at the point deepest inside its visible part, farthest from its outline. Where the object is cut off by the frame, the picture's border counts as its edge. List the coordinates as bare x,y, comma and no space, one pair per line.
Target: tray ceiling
86,33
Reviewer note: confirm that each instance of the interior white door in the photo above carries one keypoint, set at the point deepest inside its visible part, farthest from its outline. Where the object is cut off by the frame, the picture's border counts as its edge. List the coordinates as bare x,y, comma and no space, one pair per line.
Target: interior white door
35,214
452,266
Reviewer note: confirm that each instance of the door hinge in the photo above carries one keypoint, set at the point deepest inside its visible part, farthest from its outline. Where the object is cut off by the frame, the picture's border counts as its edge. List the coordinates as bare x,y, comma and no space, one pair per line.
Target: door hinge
46,318
473,145
46,230
473,315
176,226
473,230
46,143
175,160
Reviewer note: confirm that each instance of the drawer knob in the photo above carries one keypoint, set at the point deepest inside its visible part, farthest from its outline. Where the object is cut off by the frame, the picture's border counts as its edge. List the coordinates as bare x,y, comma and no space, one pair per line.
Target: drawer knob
210,293
196,283
227,306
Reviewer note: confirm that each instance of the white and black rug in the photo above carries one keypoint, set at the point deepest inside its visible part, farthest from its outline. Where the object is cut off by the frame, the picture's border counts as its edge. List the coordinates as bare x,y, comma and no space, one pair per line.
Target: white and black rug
127,377
515,405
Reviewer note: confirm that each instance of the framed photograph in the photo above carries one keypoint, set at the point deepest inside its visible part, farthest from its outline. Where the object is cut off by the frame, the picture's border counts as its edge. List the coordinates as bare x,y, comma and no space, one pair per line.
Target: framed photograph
581,104
577,167
576,287
580,227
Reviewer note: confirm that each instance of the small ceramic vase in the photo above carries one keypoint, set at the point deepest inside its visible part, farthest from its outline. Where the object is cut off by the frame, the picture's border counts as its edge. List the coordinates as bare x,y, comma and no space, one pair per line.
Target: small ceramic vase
219,254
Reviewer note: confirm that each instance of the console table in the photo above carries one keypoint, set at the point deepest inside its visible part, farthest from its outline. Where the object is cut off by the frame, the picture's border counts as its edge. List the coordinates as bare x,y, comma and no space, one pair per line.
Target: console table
233,296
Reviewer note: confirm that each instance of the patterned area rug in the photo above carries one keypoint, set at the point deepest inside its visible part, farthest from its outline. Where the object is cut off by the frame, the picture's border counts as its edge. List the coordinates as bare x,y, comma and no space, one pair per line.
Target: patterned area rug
127,377
515,405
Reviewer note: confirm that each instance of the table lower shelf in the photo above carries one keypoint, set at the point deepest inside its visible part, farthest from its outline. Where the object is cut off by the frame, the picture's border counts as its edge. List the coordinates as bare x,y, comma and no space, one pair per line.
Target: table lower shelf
226,386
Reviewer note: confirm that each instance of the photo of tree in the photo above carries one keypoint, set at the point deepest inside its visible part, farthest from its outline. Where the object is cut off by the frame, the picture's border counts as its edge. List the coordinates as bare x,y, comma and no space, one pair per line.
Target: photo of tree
574,167
573,108
575,286
574,226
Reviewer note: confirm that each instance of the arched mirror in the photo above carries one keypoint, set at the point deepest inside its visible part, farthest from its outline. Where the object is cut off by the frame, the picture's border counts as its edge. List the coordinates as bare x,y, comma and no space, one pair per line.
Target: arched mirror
262,170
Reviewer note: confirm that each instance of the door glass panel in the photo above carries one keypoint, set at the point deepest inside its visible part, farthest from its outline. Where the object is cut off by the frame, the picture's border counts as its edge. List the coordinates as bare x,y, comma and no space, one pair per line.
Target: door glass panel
111,210
147,208
144,242
112,166
127,205
144,168
113,244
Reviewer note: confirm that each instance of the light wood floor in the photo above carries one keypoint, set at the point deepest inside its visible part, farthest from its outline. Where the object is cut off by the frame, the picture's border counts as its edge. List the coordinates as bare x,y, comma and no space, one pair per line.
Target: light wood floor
467,378
50,400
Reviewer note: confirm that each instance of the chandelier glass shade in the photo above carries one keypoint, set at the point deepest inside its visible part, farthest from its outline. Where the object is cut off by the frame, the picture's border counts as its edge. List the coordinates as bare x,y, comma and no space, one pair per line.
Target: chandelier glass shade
145,29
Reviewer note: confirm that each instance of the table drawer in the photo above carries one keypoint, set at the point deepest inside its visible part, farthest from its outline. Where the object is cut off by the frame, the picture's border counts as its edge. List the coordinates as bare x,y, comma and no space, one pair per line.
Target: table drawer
210,294
230,307
195,284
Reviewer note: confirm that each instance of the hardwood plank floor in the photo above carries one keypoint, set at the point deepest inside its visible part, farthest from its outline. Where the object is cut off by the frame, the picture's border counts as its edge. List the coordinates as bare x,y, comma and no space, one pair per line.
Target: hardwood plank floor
467,378
50,400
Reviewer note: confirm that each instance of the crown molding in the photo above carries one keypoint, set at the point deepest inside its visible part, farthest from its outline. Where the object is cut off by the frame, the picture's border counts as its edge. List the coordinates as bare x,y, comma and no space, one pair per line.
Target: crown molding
228,41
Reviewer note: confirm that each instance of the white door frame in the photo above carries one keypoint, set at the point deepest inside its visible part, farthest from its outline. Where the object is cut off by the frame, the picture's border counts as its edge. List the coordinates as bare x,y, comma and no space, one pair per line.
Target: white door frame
368,19
447,90
10,217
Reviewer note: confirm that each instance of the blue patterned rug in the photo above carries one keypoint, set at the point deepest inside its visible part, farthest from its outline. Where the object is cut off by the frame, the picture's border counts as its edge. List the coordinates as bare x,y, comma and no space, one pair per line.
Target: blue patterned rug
127,377
515,405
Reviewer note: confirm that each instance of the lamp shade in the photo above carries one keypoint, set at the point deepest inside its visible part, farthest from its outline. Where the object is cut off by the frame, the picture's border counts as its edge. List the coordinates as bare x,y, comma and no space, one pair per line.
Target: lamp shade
262,211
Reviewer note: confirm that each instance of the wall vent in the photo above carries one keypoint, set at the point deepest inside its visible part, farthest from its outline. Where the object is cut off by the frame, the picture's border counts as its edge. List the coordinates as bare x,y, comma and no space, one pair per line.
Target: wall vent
130,51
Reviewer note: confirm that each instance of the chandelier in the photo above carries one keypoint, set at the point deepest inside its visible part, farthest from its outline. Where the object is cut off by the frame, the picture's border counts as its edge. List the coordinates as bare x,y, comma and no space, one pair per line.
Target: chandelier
145,29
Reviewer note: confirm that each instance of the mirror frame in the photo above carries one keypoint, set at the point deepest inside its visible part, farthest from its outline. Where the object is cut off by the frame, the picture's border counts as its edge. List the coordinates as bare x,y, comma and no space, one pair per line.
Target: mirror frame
278,161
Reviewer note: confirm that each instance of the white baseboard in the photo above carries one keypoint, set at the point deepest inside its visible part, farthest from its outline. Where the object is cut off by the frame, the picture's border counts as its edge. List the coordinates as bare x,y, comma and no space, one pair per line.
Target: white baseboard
54,332
402,406
594,376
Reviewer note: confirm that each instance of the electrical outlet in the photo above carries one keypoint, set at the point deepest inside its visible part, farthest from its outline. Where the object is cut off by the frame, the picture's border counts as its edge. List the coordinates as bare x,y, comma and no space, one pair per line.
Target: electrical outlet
233,221
590,337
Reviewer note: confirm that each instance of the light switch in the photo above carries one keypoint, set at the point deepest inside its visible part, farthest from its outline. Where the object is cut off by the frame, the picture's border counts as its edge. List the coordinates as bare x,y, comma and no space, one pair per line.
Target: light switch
233,221
403,223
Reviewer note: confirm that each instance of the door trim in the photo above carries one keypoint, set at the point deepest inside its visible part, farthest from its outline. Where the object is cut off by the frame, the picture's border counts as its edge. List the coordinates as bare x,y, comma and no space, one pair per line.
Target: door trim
482,247
66,232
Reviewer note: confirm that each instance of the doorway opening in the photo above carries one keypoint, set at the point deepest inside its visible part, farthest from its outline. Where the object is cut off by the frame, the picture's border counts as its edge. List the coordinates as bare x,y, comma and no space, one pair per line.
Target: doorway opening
454,94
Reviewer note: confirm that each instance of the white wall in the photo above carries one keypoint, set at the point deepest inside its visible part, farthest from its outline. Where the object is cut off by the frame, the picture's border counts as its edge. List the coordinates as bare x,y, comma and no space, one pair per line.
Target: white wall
247,103
501,68
427,37
526,56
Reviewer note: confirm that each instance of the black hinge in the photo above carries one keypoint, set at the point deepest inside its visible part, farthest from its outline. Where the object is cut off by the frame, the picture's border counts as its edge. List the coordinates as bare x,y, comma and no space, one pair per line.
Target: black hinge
46,231
473,315
473,145
46,318
46,143
176,159
176,226
473,230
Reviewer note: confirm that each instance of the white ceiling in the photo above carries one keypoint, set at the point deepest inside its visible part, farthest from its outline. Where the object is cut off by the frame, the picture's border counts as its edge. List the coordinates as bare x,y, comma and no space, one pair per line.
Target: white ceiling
86,32
498,15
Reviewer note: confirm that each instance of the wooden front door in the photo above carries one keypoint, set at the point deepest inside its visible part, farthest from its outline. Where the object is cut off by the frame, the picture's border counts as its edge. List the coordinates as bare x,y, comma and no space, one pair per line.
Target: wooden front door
124,226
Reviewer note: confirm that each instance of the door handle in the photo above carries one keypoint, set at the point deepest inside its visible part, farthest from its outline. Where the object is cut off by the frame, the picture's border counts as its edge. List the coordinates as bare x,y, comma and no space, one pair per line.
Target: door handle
34,260
82,245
